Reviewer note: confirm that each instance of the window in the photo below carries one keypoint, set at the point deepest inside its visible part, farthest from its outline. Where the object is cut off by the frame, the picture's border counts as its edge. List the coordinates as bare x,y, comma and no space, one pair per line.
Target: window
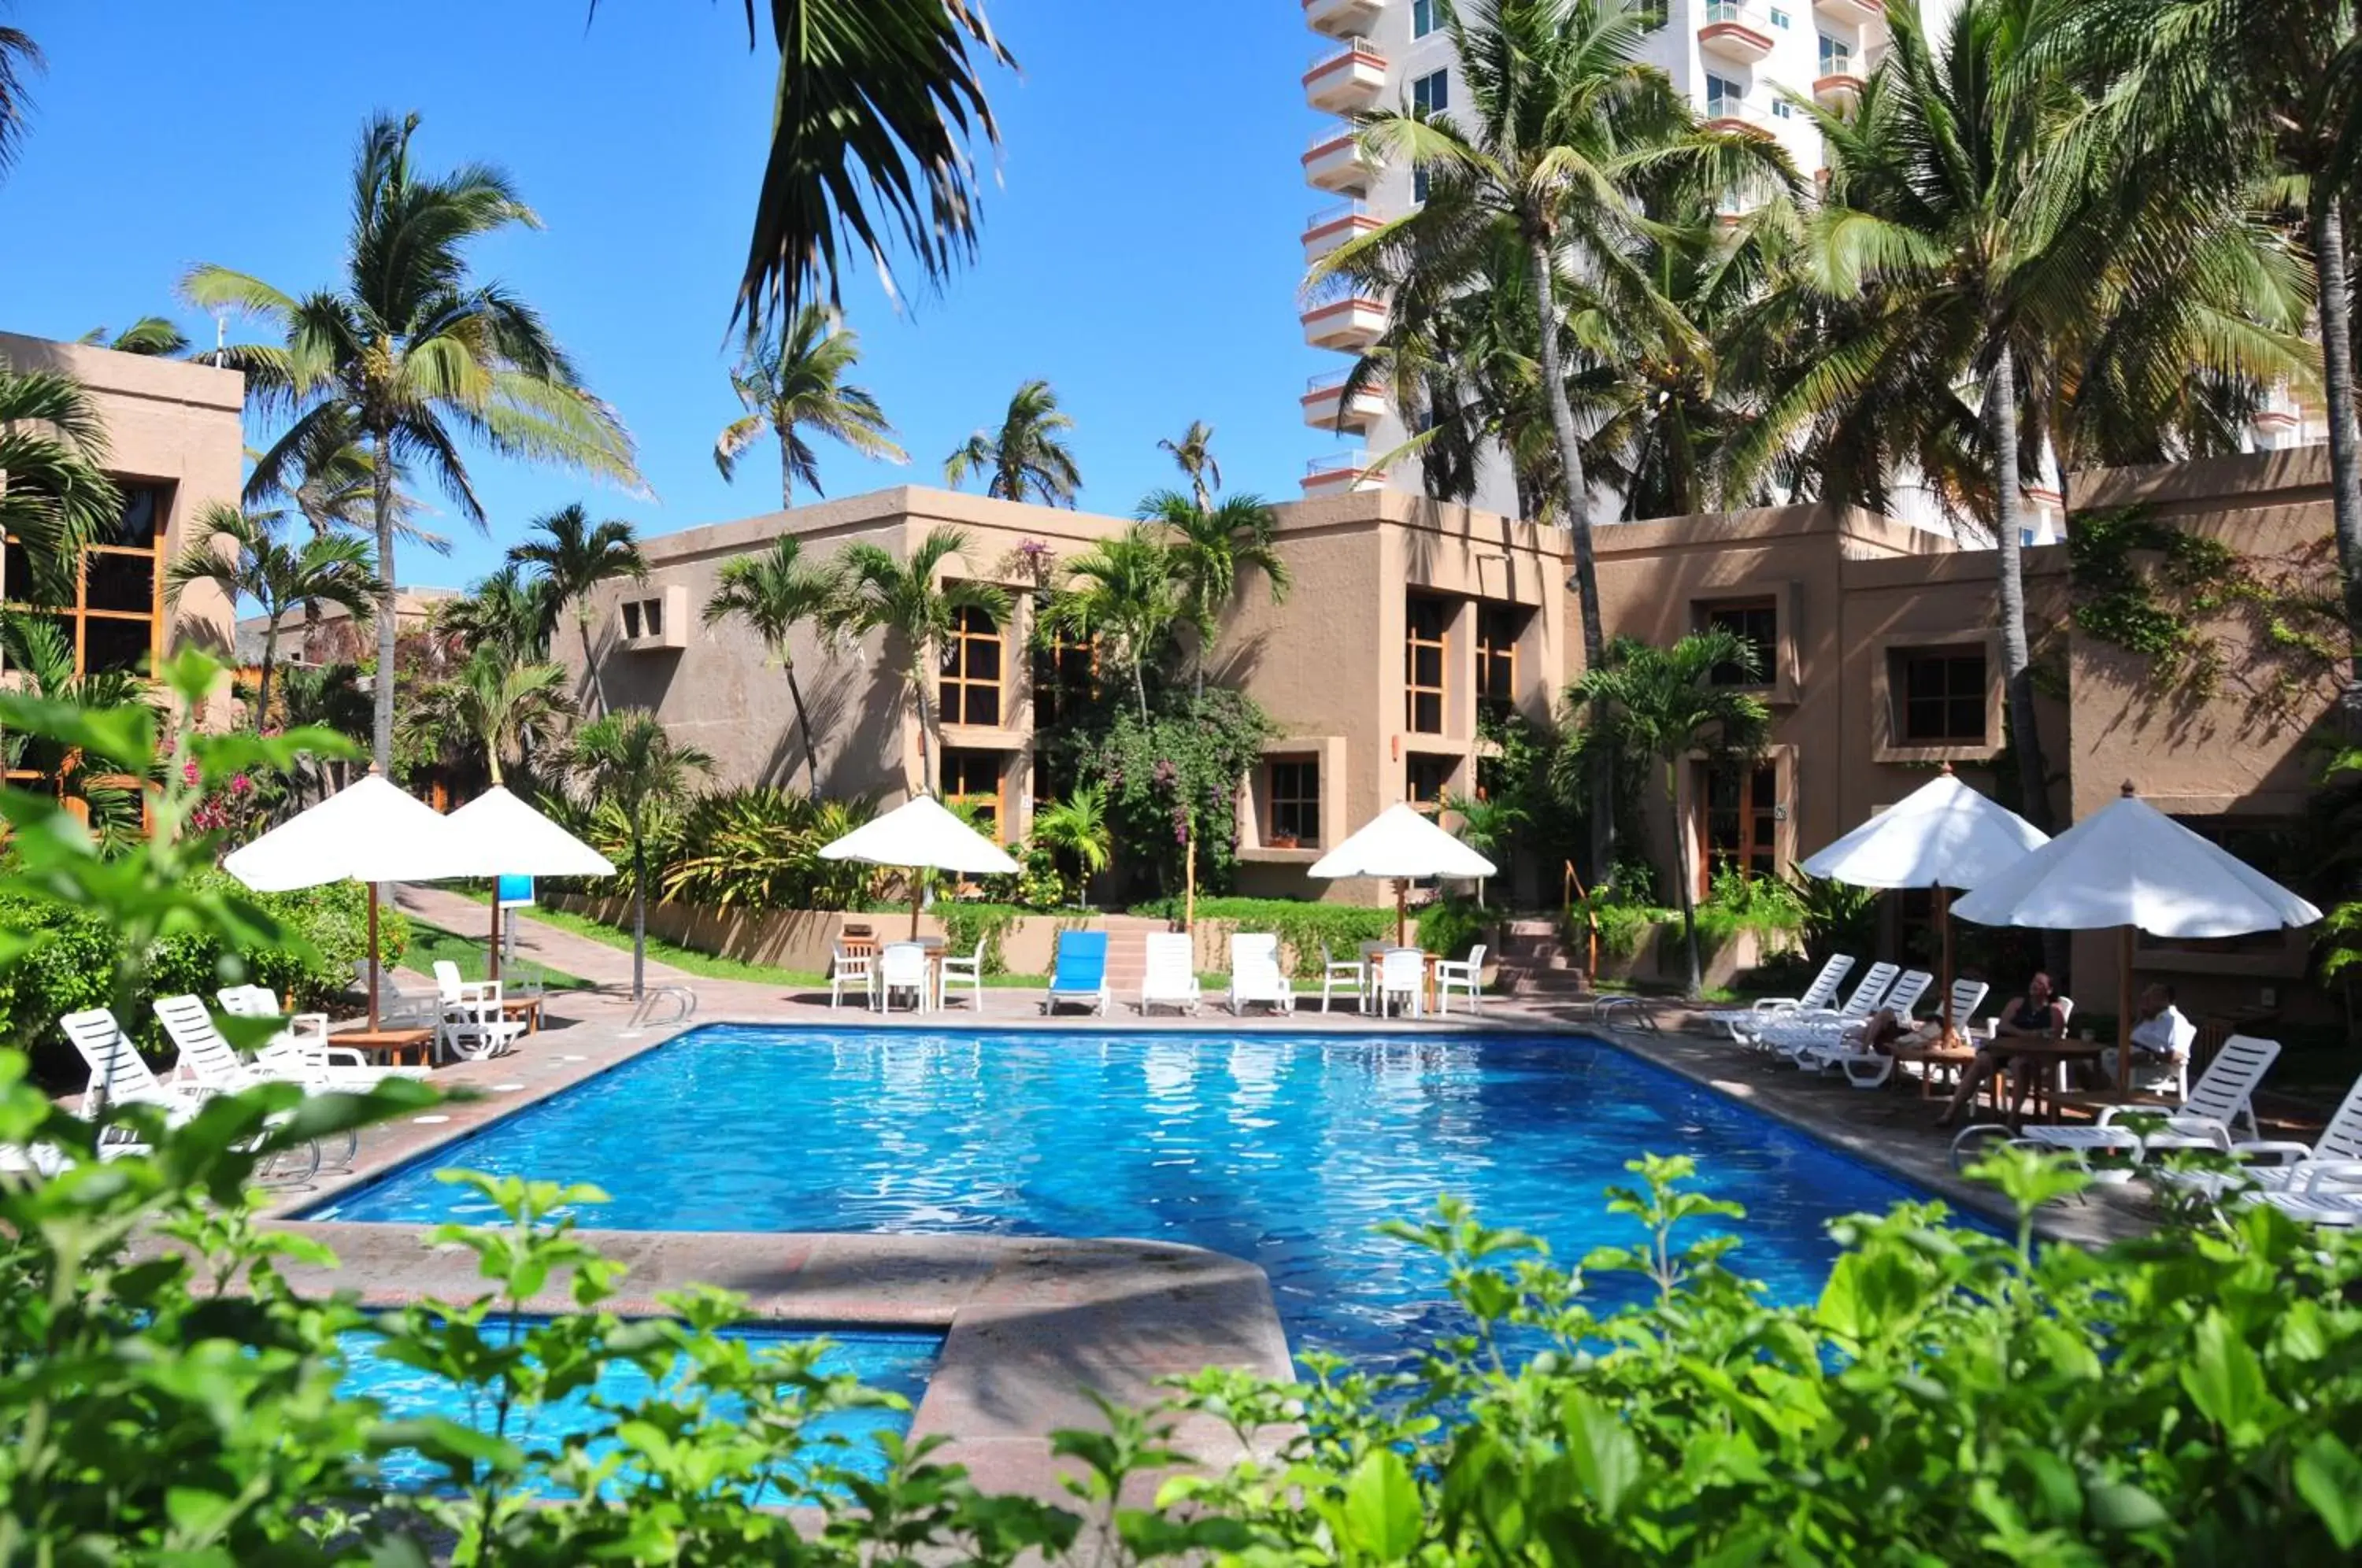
1837,57
1757,622
1418,186
1432,93
1423,17
1295,789
1740,808
971,779
1427,779
1423,649
1782,110
1779,18
1065,670
632,619
970,679
109,617
1497,627
1723,96
1939,696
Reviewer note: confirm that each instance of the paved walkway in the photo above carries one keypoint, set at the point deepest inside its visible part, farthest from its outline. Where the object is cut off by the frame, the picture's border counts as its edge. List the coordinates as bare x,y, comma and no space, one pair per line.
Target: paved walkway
604,967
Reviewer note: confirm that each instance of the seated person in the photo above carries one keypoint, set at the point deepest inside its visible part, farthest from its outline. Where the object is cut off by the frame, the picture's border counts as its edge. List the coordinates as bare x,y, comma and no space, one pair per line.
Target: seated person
2035,1015
1888,1031
2161,1039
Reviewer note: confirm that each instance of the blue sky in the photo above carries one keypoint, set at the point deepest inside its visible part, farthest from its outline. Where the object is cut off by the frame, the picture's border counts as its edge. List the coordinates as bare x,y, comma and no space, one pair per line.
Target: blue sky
1140,251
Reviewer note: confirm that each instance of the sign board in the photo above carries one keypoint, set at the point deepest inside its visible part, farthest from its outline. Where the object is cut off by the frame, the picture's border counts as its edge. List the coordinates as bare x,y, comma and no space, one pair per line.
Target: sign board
514,892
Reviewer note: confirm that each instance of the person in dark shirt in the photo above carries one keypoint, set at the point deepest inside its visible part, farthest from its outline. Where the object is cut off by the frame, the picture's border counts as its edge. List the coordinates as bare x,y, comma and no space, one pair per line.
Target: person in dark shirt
2037,1015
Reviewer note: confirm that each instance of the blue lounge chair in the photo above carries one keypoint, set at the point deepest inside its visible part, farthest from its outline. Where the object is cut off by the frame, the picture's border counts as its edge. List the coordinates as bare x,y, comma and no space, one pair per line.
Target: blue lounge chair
1080,974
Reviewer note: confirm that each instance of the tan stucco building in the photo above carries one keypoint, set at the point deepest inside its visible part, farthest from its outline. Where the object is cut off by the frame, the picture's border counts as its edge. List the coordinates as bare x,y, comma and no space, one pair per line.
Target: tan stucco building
175,444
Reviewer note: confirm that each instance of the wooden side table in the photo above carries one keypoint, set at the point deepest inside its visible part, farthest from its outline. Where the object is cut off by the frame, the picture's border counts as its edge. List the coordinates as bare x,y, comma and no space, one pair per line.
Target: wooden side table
526,1009
395,1045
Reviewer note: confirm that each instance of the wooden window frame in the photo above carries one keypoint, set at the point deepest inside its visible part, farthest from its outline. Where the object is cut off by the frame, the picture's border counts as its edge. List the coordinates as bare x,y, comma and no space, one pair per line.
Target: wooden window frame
1706,610
1303,797
1412,642
1492,653
79,615
1412,763
954,681
1000,793
1905,660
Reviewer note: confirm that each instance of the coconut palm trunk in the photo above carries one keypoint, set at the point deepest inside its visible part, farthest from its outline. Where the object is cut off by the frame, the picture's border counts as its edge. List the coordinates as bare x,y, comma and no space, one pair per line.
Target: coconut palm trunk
917,678
1578,526
803,725
263,681
382,721
2334,304
2017,663
590,665
1685,878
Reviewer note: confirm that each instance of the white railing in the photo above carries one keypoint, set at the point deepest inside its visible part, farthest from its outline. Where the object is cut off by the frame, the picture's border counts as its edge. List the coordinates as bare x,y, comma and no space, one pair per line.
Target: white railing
1349,48
1326,381
1738,110
1738,11
1355,463
1343,302
1338,212
1341,131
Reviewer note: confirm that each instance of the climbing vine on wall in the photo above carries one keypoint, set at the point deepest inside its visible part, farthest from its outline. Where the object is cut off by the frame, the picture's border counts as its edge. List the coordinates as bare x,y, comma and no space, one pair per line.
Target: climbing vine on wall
2153,589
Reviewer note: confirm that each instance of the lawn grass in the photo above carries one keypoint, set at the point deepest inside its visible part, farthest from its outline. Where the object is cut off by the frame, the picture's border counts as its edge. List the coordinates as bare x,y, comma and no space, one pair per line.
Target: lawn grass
430,943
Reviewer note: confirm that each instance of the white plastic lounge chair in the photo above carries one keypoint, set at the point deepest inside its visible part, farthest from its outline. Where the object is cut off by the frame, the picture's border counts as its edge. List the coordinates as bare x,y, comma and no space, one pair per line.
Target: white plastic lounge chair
2329,1193
119,1075
968,972
1255,977
1171,978
1819,997
472,1026
1350,975
1811,1042
2217,1104
302,1053
1402,981
2283,1165
902,968
1868,994
1866,1068
1079,972
1463,975
397,1007
848,970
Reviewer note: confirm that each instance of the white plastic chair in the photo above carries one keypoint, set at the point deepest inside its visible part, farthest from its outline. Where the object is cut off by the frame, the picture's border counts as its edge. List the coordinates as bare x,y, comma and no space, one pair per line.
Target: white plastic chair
1255,977
2218,1103
968,972
854,970
1819,998
472,1027
1352,974
303,1052
1467,976
1402,977
1170,979
902,967
1755,1028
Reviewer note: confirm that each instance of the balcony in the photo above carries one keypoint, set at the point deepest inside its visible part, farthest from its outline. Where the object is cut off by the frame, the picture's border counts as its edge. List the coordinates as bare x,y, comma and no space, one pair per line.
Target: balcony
1342,18
1352,323
1339,473
1852,13
1338,162
1326,406
1736,114
1734,31
1331,227
1346,79
1838,90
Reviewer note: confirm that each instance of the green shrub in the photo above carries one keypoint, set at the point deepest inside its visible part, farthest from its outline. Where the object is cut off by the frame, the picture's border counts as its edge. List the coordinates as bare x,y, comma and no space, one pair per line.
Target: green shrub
1449,927
965,925
1769,907
1300,924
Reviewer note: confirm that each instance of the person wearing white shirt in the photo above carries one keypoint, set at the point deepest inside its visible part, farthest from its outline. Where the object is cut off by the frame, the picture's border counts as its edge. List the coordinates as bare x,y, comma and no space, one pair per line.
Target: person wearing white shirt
2161,1038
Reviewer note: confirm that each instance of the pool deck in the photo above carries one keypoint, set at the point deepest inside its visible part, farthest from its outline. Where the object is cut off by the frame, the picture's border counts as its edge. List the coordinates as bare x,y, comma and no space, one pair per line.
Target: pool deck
1031,1324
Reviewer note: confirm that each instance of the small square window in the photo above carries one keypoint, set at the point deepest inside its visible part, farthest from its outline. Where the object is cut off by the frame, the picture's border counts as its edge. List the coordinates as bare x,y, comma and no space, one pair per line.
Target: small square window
1939,696
1755,622
1784,110
1779,18
1432,93
1427,779
1295,789
1425,18
631,619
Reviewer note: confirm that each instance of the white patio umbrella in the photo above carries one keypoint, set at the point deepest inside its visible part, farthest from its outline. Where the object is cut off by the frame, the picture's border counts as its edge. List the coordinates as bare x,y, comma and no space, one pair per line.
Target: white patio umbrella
922,835
1401,843
1944,836
2131,866
370,831
499,835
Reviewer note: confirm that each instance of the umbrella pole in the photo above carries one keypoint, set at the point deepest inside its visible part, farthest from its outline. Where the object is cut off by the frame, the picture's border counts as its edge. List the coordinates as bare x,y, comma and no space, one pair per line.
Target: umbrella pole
1189,879
2123,1012
496,930
1944,920
918,893
374,971
1402,900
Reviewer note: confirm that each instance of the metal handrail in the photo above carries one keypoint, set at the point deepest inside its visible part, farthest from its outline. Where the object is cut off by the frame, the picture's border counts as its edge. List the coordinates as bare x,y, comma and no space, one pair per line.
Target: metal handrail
1337,463
683,999
1341,131
1730,11
1338,212
1346,49
1328,381
1573,890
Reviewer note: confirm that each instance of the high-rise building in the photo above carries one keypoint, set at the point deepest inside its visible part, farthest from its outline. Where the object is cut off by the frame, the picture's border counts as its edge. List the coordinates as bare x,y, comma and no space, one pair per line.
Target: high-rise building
1730,58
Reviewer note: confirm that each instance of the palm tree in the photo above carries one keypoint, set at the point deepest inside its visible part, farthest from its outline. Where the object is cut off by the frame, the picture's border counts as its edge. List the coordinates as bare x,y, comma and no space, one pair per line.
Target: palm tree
903,600
1664,704
19,57
1027,457
1991,239
490,705
1485,826
507,614
39,655
243,554
1125,595
571,558
410,351
2241,94
328,696
774,593
1562,120
57,497
1193,456
1078,826
624,762
798,380
156,336
1211,548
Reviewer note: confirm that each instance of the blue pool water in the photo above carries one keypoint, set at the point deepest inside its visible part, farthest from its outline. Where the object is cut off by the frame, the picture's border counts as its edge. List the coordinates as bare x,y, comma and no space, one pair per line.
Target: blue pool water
1285,1150
890,1363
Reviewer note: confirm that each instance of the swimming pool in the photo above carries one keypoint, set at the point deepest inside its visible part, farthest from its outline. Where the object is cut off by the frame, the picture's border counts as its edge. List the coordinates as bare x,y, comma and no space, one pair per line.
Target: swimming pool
890,1363
1285,1150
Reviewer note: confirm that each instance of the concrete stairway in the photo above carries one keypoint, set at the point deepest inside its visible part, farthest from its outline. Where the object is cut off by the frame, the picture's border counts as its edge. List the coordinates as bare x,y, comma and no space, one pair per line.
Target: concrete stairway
1534,962
1128,951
